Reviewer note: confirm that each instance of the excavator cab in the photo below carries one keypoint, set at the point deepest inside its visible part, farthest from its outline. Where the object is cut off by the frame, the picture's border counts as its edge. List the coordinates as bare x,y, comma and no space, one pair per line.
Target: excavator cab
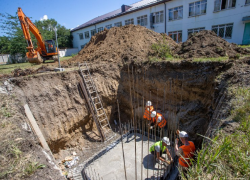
50,46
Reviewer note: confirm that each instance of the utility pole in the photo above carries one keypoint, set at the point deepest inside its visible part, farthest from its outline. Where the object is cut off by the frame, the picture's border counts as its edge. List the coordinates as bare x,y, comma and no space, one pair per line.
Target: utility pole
58,56
57,48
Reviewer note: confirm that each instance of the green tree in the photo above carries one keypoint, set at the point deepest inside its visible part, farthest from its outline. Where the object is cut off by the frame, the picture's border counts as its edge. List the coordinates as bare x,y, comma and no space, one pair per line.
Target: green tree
4,45
46,28
13,43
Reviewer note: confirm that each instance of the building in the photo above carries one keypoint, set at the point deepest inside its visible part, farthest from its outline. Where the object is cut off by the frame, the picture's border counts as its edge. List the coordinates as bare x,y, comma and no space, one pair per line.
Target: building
230,19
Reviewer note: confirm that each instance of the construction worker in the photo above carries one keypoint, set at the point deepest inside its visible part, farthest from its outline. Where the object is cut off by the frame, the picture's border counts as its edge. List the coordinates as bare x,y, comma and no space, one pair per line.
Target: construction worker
185,152
159,148
149,109
158,119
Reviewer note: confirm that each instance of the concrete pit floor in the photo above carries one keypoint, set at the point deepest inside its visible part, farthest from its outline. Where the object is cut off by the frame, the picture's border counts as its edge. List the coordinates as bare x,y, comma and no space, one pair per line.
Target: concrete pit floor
110,165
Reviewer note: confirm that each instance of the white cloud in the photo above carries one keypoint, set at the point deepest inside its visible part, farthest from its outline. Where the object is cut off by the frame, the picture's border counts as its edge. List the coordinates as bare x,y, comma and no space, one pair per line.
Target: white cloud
45,17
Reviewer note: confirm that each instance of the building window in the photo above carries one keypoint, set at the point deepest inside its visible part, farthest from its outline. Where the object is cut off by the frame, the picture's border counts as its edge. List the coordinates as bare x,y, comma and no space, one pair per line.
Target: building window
93,32
176,13
109,26
158,17
86,34
176,36
198,8
118,24
129,21
247,1
142,20
196,30
224,4
224,30
81,35
100,29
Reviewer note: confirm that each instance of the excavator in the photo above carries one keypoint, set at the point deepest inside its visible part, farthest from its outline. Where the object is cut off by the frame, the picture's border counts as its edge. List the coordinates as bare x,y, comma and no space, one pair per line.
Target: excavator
45,49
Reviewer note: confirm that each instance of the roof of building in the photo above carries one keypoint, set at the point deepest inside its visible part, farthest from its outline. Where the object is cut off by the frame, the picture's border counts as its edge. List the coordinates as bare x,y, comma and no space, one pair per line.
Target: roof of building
118,12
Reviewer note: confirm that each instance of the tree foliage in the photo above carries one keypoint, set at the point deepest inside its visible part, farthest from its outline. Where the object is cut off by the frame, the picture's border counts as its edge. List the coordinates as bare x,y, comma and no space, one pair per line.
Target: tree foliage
46,27
14,42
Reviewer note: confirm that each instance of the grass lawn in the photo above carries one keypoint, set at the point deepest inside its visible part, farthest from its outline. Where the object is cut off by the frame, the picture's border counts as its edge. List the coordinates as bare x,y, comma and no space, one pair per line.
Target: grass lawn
245,46
8,68
227,155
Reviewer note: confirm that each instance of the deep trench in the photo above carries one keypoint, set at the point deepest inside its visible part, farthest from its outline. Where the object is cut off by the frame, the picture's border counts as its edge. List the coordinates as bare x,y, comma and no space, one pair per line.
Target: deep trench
185,92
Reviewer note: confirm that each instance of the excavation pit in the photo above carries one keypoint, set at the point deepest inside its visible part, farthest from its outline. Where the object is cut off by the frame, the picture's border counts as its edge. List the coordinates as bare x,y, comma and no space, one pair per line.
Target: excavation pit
109,163
187,98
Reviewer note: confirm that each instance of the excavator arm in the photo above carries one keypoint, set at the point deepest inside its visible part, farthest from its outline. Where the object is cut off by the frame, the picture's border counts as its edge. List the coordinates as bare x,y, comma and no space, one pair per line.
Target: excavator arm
34,55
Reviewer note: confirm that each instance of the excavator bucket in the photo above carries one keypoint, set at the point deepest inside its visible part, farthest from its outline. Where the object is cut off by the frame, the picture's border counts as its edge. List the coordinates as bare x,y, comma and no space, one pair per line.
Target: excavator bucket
34,58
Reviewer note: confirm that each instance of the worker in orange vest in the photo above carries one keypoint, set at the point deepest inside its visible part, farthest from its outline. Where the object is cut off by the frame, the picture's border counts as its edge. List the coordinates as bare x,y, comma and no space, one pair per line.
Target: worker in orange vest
185,152
158,119
149,109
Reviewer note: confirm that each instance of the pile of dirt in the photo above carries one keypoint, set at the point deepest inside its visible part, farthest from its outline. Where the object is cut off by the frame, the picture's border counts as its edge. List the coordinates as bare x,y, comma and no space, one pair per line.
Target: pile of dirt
208,44
24,72
124,44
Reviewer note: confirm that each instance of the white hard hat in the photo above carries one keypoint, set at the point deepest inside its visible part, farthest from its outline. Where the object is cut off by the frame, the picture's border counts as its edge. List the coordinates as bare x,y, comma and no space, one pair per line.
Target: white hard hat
166,140
183,134
148,103
159,119
153,114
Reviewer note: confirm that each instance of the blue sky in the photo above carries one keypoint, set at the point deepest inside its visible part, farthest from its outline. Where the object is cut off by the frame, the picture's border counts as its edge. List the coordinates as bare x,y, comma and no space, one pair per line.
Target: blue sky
69,13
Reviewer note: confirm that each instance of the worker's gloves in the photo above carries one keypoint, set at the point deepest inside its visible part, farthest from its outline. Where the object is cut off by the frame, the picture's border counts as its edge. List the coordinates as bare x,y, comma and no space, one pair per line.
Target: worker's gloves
176,141
159,161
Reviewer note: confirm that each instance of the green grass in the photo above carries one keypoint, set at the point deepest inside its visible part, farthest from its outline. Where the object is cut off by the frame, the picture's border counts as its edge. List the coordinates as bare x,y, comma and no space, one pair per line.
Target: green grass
162,49
219,59
227,156
31,167
245,46
8,68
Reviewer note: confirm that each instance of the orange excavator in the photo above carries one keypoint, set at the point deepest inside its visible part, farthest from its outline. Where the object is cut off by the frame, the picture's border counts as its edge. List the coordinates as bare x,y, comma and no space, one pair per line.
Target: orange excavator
45,49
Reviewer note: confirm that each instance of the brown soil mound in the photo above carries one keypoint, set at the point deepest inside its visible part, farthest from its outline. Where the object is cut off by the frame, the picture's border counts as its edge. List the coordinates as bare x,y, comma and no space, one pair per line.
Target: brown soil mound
24,72
208,44
123,44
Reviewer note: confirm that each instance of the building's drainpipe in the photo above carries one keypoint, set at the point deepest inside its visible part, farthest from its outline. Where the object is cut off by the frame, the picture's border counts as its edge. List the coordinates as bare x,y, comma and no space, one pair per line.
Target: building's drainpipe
165,26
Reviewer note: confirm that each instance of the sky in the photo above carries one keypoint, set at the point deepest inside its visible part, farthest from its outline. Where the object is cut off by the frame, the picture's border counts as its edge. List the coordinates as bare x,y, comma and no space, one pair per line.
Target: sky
69,13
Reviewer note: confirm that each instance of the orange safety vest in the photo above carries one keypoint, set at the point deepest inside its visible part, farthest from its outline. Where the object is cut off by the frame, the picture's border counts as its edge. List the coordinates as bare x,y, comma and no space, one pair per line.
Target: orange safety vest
147,114
188,154
163,120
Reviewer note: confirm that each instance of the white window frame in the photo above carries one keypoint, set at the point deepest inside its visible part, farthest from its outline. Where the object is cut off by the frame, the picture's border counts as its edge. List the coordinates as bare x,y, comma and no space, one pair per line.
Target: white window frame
195,30
197,7
219,3
80,36
142,20
158,17
93,32
172,33
129,21
179,11
109,26
118,24
223,26
247,1
86,34
100,29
